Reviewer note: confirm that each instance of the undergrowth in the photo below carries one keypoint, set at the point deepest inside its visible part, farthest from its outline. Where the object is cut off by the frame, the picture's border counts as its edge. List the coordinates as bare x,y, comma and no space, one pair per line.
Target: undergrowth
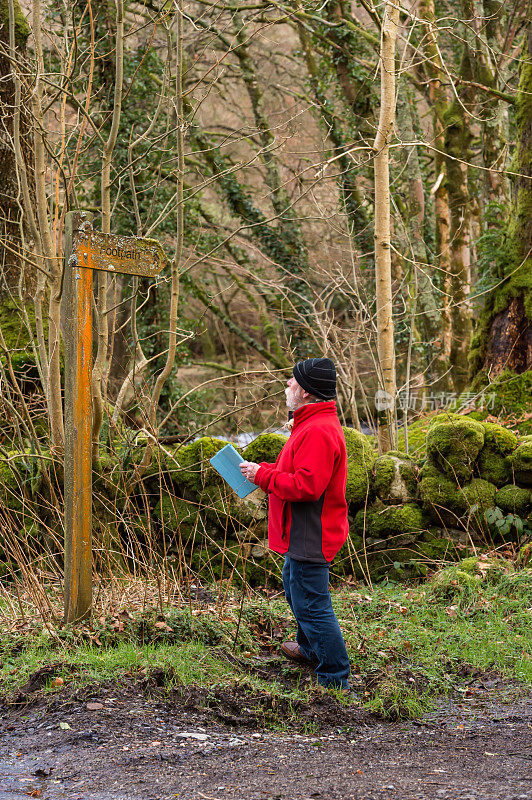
406,645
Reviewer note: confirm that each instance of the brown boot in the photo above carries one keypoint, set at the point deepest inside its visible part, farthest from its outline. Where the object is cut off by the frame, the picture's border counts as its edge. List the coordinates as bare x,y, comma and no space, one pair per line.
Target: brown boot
292,651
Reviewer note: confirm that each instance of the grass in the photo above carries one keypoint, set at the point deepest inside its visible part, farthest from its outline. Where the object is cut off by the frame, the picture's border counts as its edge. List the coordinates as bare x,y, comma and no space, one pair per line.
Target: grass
406,645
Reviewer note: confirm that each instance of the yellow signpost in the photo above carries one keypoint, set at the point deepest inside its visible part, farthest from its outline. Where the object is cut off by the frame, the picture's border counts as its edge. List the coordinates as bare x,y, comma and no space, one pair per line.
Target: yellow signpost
128,254
85,251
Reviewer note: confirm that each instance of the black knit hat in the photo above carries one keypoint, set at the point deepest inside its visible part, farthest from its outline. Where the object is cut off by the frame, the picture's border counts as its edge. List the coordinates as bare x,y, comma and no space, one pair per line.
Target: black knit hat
317,376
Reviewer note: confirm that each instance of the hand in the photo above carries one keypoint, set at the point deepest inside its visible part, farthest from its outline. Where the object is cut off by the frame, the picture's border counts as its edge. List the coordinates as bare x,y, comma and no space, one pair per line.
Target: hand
249,469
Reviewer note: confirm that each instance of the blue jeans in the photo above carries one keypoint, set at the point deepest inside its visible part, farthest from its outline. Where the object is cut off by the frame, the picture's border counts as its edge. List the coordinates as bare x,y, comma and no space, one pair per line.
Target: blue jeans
306,587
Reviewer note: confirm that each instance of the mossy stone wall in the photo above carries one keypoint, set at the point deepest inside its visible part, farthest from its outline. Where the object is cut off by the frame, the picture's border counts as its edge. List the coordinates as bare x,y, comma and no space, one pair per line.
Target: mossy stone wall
406,515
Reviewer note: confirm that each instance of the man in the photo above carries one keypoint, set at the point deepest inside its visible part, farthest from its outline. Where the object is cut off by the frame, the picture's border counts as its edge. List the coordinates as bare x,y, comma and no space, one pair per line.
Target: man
308,516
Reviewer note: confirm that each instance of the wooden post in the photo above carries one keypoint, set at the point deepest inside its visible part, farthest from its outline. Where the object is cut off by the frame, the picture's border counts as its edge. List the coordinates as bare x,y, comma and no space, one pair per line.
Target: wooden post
77,288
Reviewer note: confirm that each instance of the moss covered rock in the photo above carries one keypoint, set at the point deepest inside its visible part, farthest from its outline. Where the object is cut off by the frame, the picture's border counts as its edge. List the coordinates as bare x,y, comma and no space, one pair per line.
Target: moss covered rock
489,568
440,495
426,552
524,558
479,495
360,460
417,435
465,579
231,513
521,462
395,478
500,439
397,564
493,467
453,444
384,473
265,447
172,463
493,463
10,486
436,547
196,472
514,499
176,513
385,521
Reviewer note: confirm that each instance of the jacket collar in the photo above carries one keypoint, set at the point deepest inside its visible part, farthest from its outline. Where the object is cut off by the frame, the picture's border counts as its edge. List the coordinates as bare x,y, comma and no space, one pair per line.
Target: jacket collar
325,407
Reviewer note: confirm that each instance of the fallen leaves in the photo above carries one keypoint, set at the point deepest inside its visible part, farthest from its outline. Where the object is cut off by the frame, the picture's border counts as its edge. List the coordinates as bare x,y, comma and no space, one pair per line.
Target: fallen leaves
163,626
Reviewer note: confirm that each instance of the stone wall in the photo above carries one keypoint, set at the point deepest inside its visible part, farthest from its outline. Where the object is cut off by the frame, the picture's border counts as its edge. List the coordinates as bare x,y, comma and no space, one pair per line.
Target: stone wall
469,487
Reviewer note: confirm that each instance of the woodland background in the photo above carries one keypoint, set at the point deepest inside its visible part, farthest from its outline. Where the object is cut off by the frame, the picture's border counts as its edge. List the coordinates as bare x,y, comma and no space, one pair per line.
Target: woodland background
244,137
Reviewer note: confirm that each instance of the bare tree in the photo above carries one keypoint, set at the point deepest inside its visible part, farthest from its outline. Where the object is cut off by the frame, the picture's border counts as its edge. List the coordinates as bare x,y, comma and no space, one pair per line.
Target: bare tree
383,263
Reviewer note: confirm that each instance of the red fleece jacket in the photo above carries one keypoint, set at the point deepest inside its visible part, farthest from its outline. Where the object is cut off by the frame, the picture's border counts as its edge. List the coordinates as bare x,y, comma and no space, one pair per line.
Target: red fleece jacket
306,485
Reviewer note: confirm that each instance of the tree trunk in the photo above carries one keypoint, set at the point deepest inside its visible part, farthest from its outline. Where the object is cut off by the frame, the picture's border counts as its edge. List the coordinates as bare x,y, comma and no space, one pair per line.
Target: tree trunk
10,215
280,199
429,313
357,217
54,267
458,137
176,261
484,39
100,368
507,318
385,404
439,102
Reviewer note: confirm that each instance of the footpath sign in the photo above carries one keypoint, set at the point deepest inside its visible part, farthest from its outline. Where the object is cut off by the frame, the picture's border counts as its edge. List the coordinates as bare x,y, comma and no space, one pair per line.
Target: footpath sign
85,251
128,254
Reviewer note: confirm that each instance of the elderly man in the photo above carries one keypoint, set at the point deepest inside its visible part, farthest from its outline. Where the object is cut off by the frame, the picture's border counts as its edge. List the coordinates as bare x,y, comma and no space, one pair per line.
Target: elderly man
308,516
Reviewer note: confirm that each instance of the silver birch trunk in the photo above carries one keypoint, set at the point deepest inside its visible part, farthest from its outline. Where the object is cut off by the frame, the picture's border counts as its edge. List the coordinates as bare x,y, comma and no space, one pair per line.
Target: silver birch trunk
174,290
383,265
102,327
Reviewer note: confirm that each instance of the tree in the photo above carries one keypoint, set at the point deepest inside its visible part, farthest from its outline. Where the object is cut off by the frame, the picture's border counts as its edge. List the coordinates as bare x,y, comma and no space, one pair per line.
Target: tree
383,265
14,32
504,338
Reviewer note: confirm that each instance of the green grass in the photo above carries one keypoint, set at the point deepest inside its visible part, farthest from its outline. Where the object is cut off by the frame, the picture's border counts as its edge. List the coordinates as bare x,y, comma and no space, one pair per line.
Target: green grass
416,629
406,645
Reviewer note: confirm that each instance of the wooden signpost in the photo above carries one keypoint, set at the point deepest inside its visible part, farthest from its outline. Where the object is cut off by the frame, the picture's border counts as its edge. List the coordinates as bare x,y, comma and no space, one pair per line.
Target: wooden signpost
85,251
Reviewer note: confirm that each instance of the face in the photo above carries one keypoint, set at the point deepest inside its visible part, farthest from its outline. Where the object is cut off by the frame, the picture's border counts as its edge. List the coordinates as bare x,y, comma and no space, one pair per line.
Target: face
295,394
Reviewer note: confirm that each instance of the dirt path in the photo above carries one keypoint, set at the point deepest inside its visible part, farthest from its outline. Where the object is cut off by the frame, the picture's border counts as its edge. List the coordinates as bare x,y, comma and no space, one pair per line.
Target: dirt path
206,747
